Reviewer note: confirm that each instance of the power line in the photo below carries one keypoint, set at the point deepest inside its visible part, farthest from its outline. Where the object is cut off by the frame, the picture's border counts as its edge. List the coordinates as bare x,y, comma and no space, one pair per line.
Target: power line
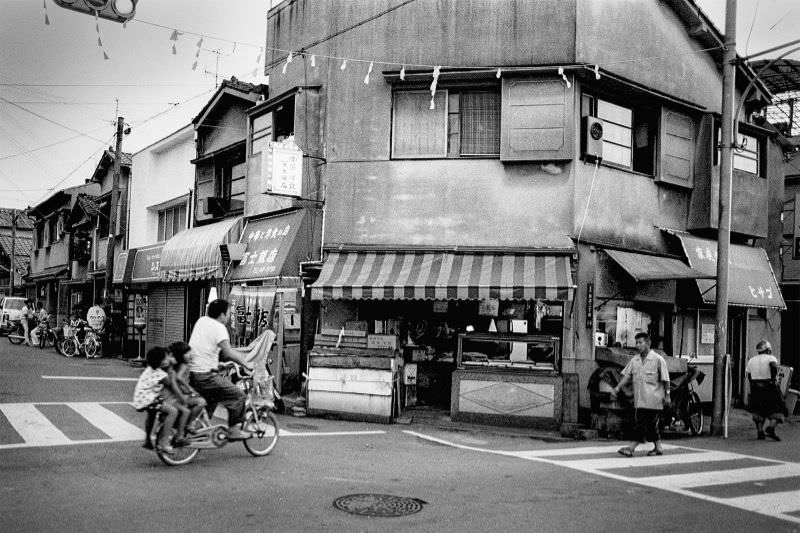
51,120
752,24
49,145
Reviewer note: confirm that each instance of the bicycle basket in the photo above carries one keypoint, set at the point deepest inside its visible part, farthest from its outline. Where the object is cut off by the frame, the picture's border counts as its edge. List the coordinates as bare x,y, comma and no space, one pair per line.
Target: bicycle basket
263,393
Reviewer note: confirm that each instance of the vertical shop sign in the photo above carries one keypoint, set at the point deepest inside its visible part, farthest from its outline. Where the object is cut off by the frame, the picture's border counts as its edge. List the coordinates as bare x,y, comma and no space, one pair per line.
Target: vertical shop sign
590,306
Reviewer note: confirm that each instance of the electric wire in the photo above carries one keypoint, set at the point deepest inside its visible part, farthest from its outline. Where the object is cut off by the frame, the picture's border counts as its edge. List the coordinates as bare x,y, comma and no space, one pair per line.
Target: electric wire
51,120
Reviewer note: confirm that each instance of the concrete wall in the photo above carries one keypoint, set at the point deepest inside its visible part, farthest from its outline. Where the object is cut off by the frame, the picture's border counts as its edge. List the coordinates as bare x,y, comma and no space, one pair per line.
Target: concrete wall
161,172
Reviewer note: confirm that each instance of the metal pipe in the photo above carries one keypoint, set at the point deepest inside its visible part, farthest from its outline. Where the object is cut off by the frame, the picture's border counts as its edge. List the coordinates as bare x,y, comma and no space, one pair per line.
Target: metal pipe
768,50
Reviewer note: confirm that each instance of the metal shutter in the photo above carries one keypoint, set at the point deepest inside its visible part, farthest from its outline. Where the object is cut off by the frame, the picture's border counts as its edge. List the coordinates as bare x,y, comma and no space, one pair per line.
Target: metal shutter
156,313
175,315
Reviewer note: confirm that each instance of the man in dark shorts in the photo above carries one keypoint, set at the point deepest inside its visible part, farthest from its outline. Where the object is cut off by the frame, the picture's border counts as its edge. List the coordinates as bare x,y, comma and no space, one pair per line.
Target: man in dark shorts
651,385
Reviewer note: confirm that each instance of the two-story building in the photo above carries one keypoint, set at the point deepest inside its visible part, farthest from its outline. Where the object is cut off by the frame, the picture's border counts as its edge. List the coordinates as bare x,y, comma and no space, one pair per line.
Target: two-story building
54,250
512,191
14,224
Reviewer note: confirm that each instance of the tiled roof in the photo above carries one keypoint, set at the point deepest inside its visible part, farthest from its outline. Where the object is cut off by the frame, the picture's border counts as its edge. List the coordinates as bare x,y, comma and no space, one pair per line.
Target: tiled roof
89,204
126,158
23,222
237,85
22,250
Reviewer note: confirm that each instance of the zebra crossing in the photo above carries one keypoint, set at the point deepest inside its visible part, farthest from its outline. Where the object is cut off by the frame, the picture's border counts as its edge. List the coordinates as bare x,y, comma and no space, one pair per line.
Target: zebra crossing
765,486
26,425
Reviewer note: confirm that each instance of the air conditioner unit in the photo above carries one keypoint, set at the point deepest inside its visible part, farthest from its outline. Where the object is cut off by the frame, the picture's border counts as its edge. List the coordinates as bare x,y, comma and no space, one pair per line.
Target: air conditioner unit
592,139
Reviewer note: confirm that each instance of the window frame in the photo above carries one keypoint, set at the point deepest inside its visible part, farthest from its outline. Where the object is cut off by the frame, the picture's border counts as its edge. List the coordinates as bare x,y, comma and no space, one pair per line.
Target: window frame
641,113
162,230
448,91
742,131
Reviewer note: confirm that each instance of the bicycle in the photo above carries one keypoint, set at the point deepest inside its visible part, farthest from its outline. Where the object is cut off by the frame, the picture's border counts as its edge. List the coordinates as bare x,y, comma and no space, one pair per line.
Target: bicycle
43,335
203,434
72,345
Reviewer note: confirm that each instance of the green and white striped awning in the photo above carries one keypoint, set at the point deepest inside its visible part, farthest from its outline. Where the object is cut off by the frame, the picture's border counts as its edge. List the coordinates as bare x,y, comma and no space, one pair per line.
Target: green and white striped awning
194,254
443,276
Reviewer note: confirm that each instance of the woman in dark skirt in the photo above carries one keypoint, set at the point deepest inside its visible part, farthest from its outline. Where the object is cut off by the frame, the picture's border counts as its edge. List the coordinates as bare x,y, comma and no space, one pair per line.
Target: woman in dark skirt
766,402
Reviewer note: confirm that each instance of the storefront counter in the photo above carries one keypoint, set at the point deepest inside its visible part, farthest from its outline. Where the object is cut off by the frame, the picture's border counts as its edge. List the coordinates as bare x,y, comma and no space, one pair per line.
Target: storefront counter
526,398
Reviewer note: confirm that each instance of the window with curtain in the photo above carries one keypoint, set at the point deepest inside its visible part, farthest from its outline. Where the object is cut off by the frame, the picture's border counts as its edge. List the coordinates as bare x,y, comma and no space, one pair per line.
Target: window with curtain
171,221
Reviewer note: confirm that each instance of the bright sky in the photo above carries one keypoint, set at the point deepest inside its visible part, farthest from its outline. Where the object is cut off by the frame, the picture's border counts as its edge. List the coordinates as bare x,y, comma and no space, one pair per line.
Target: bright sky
61,76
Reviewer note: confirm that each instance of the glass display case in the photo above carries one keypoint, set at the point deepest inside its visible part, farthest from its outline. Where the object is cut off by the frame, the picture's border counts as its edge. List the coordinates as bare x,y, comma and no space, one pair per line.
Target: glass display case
491,350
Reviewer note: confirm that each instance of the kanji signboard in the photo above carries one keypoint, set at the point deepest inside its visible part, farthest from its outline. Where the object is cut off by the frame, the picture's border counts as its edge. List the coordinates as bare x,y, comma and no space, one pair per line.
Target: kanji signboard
270,242
282,166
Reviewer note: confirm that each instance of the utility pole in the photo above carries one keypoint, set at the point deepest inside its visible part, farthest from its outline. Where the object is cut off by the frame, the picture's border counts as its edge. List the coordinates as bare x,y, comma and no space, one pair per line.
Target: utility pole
112,223
727,143
11,268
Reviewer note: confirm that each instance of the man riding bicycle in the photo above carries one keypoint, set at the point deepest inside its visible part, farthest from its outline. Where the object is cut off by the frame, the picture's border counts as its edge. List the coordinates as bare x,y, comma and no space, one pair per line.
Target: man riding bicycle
209,339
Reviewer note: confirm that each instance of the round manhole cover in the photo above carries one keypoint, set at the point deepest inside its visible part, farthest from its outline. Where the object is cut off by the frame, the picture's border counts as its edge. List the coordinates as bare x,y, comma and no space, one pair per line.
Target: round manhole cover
382,505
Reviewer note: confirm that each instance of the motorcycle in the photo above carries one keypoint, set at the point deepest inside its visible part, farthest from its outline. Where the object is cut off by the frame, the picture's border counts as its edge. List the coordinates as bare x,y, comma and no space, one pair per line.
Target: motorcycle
43,335
204,434
16,335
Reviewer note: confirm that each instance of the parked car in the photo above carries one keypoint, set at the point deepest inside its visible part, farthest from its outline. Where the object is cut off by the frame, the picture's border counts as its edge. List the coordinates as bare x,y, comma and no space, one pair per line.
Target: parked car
10,307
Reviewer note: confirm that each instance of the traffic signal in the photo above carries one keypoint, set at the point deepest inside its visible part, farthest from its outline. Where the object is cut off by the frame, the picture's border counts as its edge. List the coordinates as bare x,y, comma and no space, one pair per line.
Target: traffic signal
115,10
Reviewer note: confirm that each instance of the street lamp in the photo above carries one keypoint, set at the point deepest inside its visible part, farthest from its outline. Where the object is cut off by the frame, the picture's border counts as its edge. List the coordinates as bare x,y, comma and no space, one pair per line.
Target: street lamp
115,10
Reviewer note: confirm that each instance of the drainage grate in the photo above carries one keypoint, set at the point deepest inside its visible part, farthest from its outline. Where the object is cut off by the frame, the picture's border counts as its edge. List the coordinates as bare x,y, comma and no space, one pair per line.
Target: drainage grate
381,505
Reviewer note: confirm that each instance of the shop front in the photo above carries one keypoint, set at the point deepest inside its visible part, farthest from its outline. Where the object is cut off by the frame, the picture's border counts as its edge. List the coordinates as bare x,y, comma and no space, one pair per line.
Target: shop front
755,301
477,334
145,317
190,272
265,287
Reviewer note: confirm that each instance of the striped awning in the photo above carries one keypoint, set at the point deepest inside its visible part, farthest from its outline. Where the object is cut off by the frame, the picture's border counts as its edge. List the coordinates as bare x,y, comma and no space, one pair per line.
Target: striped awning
443,276
194,253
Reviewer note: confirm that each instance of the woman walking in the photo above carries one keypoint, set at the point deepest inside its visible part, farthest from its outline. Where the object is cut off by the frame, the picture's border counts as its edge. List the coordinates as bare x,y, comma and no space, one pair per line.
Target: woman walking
766,402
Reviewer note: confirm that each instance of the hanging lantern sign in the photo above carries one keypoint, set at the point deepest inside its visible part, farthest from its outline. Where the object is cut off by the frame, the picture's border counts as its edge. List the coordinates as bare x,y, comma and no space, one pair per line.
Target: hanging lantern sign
282,168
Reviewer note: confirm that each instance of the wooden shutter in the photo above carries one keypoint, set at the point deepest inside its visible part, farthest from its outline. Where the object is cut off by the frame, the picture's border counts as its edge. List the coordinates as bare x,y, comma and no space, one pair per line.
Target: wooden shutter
536,120
677,149
417,130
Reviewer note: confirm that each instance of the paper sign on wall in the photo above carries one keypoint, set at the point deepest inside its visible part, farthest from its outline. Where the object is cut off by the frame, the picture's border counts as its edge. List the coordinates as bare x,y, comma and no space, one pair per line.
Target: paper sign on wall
707,334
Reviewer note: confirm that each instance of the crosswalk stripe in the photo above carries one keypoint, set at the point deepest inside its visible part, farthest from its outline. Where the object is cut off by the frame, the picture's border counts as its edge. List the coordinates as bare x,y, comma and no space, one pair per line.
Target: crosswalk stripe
32,425
700,479
643,461
776,503
586,450
113,425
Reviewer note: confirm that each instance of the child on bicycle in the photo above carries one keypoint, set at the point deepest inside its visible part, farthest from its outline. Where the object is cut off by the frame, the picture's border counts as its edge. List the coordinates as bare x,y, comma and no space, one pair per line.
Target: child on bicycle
155,386
194,402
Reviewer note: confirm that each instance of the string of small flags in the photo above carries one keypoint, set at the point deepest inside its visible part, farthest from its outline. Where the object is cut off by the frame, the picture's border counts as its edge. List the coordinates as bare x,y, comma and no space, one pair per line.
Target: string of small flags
99,38
46,18
174,38
197,53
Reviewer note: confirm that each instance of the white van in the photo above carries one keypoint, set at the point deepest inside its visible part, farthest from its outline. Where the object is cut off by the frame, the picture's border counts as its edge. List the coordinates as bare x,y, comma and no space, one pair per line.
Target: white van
10,307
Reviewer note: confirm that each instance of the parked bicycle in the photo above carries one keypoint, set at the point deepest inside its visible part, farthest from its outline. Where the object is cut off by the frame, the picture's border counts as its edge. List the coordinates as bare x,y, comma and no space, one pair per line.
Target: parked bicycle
80,338
203,434
43,335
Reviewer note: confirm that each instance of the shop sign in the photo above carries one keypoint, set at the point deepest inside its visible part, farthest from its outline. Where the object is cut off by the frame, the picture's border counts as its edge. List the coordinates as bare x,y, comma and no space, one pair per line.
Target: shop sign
96,317
382,342
147,264
590,306
140,311
283,163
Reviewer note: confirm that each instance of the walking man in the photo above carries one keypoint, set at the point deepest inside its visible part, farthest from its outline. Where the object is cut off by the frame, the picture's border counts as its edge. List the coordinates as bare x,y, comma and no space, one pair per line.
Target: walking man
25,314
209,340
650,394
766,401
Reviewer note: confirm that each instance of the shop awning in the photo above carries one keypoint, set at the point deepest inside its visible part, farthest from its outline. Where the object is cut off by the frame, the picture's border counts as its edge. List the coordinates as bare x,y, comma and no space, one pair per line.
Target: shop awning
644,267
751,281
146,264
49,273
275,247
123,266
443,276
194,253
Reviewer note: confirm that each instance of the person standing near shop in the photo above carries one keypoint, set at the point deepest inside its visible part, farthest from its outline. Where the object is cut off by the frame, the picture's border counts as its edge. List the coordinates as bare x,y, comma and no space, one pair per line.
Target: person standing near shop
651,395
25,315
209,340
766,401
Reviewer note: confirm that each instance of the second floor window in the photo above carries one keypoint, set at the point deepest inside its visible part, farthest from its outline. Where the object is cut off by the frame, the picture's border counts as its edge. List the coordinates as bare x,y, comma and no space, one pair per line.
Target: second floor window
171,221
231,183
41,234
462,124
628,133
747,159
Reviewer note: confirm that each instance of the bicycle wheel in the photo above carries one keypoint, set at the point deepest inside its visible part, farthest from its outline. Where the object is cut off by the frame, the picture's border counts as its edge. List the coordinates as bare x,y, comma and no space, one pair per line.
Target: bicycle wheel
265,432
182,455
16,335
69,347
694,414
91,347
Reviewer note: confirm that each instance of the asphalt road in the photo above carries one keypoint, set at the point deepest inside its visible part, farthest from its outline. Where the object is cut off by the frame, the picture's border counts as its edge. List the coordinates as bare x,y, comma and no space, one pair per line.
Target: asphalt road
470,480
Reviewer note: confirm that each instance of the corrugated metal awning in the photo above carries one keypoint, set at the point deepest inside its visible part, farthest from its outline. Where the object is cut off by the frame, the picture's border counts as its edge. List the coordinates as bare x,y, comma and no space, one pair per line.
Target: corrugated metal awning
644,267
194,253
443,276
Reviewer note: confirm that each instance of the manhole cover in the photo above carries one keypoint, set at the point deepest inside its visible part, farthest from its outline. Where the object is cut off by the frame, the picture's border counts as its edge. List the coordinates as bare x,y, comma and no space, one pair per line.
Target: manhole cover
383,505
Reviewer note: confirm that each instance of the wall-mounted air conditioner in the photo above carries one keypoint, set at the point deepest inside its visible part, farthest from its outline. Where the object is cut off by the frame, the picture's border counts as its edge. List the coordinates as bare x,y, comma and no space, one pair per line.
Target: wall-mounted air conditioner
592,139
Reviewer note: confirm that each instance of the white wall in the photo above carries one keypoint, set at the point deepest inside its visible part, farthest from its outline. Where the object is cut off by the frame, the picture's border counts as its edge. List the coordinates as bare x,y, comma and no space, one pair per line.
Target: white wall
161,172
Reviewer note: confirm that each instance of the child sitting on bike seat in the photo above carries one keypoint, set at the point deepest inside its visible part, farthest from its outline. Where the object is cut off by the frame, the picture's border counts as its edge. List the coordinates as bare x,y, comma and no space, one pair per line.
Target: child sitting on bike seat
151,389
181,353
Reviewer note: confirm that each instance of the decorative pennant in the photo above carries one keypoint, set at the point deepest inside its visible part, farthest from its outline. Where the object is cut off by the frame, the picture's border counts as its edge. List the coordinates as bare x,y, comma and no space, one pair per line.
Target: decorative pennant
566,80
46,18
288,60
434,83
174,39
369,71
99,40
499,73
344,65
403,73
313,61
597,72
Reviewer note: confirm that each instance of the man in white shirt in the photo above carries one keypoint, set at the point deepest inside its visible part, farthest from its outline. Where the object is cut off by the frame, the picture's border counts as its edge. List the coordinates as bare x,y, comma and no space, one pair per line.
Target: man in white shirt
25,315
209,339
651,394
